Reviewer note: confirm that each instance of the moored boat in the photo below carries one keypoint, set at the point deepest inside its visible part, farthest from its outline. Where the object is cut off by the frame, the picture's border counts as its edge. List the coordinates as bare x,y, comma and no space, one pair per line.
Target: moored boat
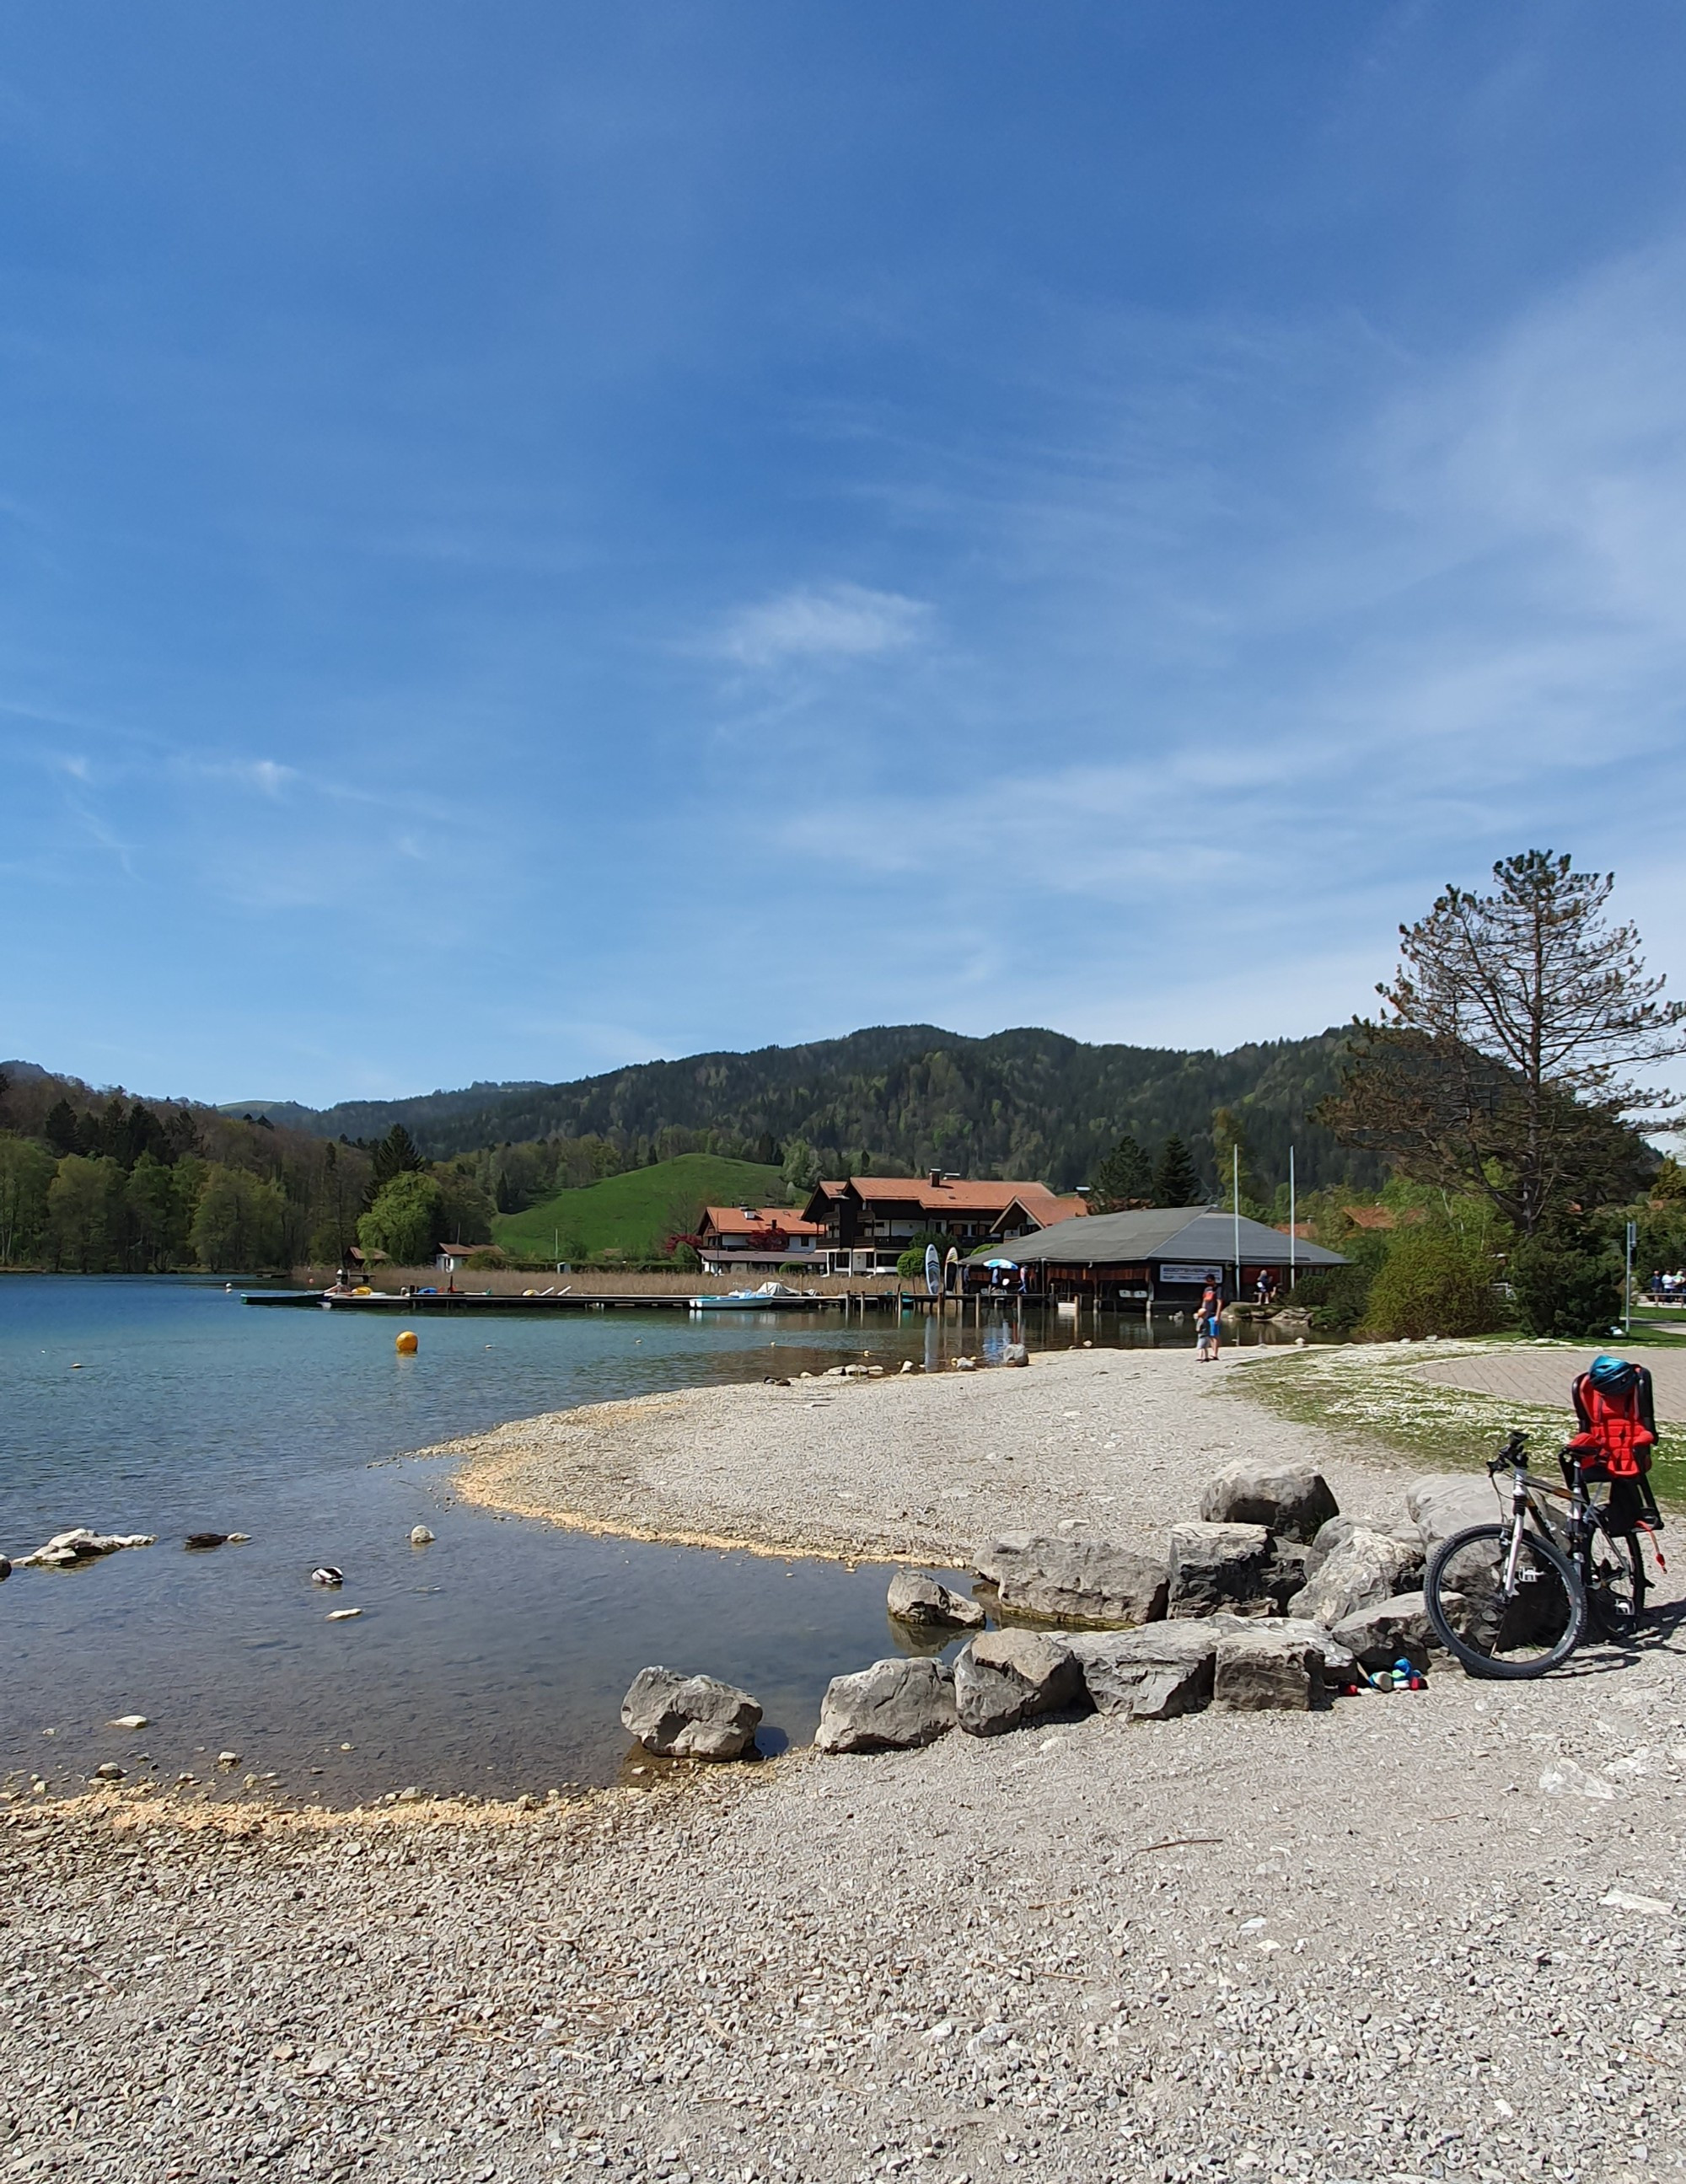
769,1295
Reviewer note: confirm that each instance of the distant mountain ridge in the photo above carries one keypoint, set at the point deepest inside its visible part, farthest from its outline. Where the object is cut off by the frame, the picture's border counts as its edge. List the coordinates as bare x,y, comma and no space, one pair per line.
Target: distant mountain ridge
359,1118
1025,1102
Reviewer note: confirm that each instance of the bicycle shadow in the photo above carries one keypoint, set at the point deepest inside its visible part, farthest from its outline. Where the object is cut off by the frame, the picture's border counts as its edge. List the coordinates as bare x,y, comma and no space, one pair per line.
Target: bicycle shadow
1663,1631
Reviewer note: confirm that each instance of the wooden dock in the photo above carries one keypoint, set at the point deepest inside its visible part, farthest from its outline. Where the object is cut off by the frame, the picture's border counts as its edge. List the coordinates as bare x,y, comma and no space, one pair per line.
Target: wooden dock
464,1301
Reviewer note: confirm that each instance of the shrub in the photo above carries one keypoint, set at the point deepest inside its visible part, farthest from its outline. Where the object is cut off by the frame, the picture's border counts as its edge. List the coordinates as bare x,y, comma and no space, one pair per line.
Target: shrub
489,1260
1433,1281
911,1264
1564,1288
1339,1296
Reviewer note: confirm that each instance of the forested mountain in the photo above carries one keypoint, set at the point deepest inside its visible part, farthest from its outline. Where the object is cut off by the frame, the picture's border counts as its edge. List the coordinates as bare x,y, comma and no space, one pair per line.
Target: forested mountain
900,1098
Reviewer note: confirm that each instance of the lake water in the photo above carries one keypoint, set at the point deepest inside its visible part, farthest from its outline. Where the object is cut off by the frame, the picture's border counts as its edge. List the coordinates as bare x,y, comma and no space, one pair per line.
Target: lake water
493,1661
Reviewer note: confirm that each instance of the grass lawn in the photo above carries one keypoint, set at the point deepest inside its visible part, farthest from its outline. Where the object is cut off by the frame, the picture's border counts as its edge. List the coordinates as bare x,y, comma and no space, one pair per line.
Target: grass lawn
1371,1390
635,1213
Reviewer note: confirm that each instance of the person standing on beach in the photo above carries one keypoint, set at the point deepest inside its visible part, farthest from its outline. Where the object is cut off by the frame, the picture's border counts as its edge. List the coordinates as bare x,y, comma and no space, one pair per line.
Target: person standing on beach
1208,1323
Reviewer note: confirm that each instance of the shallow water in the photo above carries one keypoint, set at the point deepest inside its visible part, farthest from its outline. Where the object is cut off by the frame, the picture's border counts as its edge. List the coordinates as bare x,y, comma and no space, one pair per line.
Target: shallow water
492,1661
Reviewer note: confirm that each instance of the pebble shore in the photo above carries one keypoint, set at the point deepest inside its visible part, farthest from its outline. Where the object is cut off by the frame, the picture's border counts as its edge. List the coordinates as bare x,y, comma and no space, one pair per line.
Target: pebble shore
1432,1934
921,1468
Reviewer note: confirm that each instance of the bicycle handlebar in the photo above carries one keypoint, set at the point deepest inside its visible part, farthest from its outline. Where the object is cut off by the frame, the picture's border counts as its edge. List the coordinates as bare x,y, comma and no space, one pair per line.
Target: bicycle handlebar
1513,1455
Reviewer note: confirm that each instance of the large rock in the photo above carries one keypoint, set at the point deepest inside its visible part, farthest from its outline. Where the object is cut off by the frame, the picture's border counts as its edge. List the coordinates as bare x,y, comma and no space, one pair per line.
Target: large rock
1448,1501
1339,1662
1007,1677
1285,1573
922,1602
1366,1567
1076,1581
1223,1566
1265,1670
1150,1674
889,1707
65,1549
1015,1354
1389,1630
1339,1529
690,1717
1291,1499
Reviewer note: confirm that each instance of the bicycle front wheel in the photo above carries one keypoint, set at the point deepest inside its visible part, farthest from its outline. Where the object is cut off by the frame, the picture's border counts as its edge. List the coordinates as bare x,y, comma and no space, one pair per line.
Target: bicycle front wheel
1613,1572
1497,1625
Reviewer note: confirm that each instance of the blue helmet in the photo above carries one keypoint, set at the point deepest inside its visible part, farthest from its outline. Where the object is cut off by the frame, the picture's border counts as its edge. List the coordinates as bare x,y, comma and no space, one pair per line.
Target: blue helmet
1612,1376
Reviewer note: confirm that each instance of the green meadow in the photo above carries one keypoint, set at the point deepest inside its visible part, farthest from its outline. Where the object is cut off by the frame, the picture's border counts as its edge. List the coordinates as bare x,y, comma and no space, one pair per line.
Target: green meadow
634,1214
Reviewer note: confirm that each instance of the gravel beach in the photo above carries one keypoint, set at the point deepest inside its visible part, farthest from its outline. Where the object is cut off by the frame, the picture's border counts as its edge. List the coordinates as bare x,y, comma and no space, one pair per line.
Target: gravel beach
911,1467
1421,1935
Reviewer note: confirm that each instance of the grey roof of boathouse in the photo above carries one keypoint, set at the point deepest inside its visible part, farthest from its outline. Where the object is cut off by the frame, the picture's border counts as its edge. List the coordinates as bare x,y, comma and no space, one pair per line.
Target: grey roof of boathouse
1199,1235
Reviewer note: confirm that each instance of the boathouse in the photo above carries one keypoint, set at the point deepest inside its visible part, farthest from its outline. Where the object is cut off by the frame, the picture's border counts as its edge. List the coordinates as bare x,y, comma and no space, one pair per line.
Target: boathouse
1155,1255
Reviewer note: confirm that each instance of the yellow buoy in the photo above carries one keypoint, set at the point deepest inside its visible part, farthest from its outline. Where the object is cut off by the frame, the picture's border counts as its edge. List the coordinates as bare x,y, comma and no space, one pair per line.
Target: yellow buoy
407,1344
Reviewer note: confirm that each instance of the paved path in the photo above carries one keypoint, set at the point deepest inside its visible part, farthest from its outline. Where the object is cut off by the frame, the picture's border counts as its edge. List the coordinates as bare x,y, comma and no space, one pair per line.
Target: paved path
1543,1376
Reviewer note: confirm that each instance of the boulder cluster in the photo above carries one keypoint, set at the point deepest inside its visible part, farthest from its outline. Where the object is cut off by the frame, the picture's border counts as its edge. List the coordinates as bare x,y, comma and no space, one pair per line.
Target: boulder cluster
1271,1599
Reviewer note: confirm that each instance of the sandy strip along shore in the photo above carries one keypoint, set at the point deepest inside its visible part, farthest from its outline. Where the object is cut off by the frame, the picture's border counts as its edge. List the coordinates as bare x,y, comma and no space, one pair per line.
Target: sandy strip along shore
1372,1944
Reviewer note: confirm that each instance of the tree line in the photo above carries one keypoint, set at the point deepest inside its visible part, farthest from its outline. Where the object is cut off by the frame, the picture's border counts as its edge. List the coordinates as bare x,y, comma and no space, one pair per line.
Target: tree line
100,1183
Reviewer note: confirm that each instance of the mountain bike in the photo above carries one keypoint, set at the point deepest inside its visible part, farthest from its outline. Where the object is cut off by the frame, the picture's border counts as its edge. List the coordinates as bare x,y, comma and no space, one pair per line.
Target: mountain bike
1515,1598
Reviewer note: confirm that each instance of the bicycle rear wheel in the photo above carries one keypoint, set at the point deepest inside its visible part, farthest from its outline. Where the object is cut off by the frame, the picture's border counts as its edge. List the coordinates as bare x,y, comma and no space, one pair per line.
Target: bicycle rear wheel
1494,1628
1613,1572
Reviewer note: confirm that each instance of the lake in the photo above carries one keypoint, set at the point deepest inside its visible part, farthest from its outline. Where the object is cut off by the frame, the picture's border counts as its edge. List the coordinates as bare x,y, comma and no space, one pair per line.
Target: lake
493,1661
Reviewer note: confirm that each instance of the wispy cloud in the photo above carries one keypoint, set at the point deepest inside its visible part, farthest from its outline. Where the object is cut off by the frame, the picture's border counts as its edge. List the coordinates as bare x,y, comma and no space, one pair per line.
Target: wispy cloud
266,774
815,624
1287,714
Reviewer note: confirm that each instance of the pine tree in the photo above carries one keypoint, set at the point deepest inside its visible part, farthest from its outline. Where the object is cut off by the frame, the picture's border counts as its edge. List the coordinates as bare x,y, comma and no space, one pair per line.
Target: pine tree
1124,1178
1174,1181
61,1128
394,1155
1499,1067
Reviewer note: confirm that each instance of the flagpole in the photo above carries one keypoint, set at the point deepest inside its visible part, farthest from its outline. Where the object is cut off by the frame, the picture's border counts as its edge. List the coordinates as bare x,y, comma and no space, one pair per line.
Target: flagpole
1293,1226
1234,1203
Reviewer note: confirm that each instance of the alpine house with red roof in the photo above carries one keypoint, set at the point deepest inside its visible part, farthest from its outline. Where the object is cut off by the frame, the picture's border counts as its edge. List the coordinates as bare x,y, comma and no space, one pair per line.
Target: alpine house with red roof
871,1220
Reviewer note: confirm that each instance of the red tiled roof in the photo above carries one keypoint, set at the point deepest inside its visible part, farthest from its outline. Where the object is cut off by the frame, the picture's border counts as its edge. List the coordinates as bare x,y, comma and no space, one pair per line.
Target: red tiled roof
737,1221
960,1196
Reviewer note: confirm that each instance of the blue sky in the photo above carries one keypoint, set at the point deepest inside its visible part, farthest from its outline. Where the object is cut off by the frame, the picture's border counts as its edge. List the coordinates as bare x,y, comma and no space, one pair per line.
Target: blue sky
540,536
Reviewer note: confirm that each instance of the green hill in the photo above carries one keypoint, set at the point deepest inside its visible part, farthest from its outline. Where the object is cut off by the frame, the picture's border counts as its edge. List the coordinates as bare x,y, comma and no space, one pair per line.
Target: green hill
636,1212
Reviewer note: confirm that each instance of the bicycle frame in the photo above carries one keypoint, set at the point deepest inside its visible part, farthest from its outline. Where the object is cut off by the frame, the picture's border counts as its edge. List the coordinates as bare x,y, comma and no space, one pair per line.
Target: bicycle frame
1531,1496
